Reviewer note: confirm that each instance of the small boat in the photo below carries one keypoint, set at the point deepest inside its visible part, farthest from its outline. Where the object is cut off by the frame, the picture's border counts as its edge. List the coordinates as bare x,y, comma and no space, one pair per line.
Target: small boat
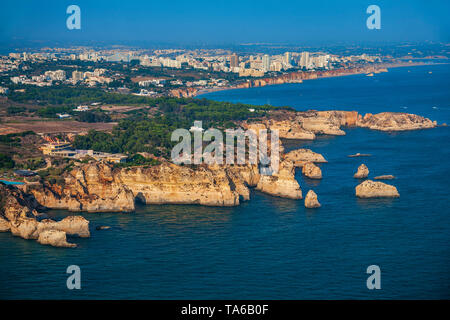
369,75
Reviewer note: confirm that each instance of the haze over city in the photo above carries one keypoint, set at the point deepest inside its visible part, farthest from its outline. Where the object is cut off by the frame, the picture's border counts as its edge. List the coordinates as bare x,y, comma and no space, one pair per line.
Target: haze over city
219,22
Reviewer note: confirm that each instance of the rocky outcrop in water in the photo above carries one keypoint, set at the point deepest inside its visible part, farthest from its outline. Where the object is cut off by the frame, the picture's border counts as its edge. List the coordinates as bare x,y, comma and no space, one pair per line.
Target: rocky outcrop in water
395,121
19,215
281,184
55,238
376,189
311,171
359,155
362,173
385,177
308,124
311,200
303,156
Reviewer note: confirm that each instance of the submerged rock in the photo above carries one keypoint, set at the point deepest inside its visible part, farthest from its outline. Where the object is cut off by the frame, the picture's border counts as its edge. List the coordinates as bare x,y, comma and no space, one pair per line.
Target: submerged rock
385,177
376,189
311,171
311,200
359,155
102,227
362,173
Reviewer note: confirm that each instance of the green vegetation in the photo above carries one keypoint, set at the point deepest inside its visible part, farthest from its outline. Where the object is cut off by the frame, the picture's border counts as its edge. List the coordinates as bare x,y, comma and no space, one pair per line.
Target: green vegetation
141,133
54,174
145,130
33,163
15,110
50,112
137,160
13,139
65,96
6,162
91,116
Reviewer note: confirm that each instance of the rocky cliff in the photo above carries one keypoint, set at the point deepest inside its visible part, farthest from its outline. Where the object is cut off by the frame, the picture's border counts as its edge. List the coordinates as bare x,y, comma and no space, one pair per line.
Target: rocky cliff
92,187
97,187
306,125
19,215
394,121
282,184
302,156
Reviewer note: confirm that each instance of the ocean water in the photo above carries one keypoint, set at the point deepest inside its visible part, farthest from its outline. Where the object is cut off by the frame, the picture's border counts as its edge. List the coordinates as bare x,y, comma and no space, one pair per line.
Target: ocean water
273,248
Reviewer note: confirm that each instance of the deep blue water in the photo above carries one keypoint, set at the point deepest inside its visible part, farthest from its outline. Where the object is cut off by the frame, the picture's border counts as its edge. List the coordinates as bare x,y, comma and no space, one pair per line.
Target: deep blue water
273,248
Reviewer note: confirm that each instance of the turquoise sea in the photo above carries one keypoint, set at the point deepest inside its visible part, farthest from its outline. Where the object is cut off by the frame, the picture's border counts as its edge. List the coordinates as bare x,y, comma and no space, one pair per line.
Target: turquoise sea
273,248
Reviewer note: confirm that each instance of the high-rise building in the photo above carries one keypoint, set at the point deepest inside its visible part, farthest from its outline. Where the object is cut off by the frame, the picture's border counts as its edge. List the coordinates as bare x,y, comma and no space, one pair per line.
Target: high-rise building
287,58
266,62
77,75
304,60
234,60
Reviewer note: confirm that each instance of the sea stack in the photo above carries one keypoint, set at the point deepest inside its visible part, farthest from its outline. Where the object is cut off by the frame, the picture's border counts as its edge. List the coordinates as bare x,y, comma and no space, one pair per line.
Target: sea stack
311,200
362,173
311,171
376,189
281,184
302,156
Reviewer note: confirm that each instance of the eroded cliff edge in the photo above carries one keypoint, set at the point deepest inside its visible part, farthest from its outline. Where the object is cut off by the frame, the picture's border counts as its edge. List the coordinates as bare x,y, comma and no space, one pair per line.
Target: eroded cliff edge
19,215
98,187
306,125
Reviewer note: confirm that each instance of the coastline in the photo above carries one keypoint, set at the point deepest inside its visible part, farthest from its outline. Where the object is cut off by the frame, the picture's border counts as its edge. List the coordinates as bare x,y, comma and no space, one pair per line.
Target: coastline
356,71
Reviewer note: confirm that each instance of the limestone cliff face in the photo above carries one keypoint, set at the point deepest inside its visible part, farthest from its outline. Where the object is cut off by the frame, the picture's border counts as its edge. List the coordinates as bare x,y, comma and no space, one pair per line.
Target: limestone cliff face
306,125
243,177
19,216
340,118
394,121
91,187
321,122
97,187
291,130
287,129
281,184
170,183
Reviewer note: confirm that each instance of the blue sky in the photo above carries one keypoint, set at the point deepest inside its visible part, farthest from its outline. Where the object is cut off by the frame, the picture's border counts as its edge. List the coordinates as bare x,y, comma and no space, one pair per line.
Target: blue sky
231,21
